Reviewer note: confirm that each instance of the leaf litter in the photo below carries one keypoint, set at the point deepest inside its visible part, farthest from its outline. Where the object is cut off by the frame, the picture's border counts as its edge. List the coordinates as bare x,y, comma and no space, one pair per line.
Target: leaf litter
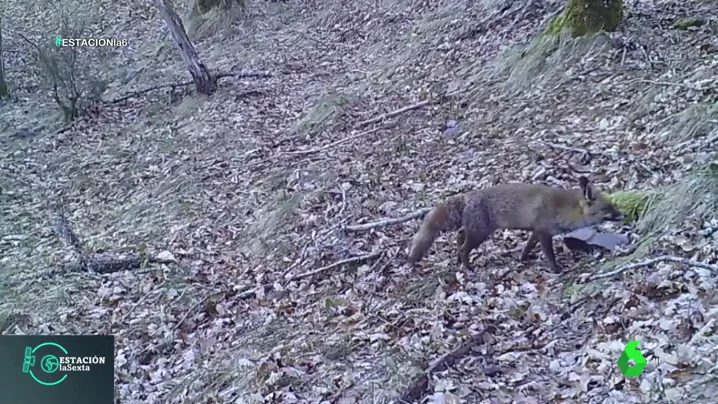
250,198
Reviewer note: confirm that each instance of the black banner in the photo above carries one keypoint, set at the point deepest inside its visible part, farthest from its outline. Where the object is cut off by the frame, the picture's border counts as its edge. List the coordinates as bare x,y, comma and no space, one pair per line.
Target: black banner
43,369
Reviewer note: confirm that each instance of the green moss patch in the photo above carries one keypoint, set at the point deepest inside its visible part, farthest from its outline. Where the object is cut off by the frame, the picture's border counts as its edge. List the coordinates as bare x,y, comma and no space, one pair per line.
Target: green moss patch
583,17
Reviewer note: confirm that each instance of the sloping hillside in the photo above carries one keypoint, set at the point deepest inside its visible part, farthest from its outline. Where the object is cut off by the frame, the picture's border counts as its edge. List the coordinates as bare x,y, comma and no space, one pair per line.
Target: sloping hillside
353,113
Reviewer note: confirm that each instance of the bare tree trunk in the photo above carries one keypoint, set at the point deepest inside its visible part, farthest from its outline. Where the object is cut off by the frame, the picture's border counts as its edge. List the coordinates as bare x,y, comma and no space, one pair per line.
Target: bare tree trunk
588,17
3,83
203,80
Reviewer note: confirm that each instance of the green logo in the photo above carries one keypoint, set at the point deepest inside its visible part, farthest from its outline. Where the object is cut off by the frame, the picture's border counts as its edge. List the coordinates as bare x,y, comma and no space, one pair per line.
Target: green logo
58,41
49,363
55,363
631,353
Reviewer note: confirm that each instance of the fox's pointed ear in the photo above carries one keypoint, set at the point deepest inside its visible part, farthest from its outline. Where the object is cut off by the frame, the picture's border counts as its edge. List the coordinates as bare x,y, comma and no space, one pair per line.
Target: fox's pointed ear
588,192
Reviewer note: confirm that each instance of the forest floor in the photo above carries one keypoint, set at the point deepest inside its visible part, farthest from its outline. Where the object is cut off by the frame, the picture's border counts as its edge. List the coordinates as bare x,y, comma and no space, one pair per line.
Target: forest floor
369,110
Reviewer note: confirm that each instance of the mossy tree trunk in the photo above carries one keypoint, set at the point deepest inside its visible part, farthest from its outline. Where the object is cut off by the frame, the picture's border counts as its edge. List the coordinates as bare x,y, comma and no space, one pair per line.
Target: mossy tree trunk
203,6
583,17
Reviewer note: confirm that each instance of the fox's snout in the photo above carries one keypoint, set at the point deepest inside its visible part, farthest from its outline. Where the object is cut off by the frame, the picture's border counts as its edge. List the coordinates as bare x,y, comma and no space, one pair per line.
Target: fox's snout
615,215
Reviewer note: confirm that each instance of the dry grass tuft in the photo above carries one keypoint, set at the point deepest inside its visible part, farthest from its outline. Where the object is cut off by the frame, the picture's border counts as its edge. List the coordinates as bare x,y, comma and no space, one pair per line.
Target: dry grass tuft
216,22
266,231
329,107
543,62
696,121
695,196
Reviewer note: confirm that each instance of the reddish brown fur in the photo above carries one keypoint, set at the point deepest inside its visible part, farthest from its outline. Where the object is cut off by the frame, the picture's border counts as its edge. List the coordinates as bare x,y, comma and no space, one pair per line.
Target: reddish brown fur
544,210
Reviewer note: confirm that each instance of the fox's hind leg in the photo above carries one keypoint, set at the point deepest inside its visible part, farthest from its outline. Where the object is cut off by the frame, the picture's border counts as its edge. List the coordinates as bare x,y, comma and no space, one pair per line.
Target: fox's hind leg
477,226
472,239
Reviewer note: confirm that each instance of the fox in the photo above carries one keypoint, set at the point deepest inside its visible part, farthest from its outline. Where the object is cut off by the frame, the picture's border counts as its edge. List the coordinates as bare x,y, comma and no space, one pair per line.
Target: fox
544,210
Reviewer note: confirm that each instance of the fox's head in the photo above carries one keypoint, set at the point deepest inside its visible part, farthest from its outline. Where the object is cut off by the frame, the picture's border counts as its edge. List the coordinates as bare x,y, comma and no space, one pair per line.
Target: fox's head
596,208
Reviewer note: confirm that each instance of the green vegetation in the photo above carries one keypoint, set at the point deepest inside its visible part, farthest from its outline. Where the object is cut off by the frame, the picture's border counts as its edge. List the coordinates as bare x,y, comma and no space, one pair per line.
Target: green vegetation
204,6
686,23
632,203
583,17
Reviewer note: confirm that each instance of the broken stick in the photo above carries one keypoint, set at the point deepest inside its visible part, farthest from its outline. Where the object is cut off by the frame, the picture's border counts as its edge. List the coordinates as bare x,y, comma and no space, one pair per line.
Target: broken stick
360,258
252,291
388,222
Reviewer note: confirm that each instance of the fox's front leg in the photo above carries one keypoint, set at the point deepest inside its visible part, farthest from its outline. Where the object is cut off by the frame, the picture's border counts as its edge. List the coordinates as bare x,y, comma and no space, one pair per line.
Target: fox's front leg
460,238
546,241
530,244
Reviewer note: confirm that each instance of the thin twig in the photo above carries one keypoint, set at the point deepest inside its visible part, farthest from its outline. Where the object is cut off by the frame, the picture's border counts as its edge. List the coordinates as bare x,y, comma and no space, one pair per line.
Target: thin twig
382,271
362,124
703,331
563,147
388,222
389,261
300,260
669,83
195,306
317,271
344,200
187,83
376,264
126,317
623,56
393,113
253,291
330,145
243,75
320,237
666,258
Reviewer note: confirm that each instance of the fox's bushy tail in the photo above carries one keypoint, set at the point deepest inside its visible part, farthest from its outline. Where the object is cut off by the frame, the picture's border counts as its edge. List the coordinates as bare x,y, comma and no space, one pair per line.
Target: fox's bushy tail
447,216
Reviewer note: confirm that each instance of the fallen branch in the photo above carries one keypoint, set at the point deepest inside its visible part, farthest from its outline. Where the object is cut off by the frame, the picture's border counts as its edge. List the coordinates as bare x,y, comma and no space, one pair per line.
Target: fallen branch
63,228
247,293
388,222
565,148
358,259
701,334
174,86
242,75
362,124
92,262
666,258
303,253
106,265
670,84
133,94
393,113
418,388
103,265
330,145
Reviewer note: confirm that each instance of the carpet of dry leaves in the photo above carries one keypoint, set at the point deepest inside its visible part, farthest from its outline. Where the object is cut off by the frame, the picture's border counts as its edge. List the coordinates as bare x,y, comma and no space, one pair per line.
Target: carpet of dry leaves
373,110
